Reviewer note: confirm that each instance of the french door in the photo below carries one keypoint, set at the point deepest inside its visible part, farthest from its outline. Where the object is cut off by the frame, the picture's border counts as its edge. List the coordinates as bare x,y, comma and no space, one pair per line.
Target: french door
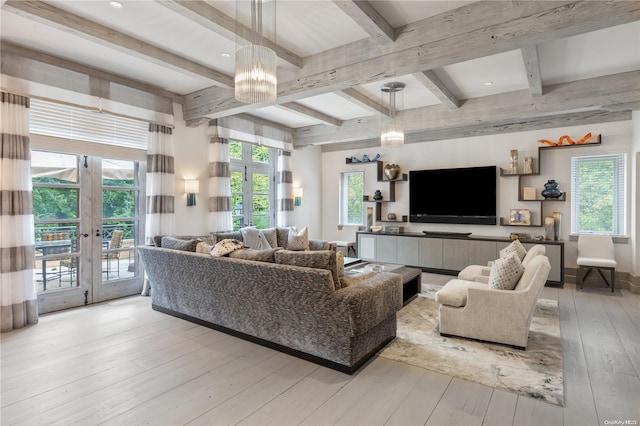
87,213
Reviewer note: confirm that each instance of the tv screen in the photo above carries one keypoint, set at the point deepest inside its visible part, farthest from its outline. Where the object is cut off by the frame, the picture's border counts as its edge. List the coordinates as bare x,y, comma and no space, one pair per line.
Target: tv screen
459,195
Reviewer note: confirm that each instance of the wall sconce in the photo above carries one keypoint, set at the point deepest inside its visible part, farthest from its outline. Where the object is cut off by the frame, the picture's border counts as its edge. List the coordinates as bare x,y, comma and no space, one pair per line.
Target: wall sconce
191,187
297,197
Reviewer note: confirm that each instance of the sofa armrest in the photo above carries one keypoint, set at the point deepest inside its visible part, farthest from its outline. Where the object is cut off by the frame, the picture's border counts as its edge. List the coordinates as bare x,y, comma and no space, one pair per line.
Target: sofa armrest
482,279
321,245
371,301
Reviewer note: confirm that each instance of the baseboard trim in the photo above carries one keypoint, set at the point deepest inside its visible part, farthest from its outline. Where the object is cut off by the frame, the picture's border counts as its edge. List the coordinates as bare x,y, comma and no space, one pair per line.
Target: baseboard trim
281,348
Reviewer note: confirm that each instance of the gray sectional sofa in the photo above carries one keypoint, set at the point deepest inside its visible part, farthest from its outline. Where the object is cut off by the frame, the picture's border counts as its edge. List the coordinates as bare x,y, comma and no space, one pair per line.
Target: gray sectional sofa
299,310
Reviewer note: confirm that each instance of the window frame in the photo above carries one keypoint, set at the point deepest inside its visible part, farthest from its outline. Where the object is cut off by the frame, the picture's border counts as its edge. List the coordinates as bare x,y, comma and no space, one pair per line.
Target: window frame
248,167
619,194
343,203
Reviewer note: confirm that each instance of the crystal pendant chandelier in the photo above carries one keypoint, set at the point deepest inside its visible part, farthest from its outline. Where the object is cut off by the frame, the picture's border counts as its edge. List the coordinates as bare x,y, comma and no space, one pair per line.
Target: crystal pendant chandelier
392,131
255,79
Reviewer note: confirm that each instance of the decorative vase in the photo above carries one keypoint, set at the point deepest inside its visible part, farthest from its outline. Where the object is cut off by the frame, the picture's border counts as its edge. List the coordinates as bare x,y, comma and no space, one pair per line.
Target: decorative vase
557,217
551,189
528,165
513,165
549,228
391,171
377,195
391,216
369,218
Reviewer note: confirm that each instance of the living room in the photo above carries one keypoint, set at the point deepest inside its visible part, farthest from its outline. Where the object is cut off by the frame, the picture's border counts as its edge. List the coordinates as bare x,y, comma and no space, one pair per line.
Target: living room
100,369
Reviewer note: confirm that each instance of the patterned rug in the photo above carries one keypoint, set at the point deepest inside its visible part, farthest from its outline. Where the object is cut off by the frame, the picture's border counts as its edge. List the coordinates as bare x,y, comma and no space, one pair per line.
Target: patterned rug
535,373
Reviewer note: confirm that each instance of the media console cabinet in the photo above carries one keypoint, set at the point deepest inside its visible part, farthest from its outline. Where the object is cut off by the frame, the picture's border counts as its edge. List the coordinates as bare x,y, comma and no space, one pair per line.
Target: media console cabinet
448,254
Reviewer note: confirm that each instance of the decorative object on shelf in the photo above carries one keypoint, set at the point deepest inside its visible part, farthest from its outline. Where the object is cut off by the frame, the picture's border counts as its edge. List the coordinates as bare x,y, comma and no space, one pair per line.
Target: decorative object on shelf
551,189
394,229
355,159
391,171
570,141
519,217
529,193
377,195
391,216
528,165
365,159
549,228
255,78
392,129
513,165
376,228
557,218
369,217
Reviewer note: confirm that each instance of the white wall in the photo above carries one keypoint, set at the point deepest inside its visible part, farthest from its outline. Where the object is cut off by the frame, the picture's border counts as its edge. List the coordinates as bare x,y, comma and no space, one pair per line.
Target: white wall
307,172
477,151
191,152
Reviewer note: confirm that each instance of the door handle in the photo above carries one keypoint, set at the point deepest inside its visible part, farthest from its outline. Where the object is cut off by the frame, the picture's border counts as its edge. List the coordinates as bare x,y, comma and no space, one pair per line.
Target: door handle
84,235
98,233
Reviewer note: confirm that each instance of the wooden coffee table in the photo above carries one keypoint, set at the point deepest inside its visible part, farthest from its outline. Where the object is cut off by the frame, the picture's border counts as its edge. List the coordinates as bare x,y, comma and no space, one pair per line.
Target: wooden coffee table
411,278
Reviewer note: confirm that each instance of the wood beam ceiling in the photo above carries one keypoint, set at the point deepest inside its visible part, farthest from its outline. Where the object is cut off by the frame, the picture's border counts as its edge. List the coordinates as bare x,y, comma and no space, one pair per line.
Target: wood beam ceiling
532,66
430,80
479,29
368,19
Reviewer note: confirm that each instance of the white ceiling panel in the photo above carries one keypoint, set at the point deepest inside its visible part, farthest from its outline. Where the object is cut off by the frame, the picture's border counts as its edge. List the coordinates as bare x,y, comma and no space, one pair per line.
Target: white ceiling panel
490,75
610,51
399,12
284,116
335,106
415,94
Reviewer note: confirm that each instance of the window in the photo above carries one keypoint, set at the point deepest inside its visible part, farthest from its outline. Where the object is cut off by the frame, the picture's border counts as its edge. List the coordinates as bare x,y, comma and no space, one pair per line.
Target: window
598,194
253,169
351,196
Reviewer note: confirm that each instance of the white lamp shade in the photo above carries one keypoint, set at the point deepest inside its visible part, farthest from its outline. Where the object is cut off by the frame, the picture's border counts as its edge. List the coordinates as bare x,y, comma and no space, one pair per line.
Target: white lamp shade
191,186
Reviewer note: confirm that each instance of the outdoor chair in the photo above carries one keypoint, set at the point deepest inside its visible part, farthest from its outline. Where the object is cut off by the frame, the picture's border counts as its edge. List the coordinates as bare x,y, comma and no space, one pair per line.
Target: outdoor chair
71,263
114,243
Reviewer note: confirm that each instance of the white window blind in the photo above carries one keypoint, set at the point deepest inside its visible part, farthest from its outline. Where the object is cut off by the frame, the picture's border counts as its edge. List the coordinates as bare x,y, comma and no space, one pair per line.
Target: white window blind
66,121
598,188
351,198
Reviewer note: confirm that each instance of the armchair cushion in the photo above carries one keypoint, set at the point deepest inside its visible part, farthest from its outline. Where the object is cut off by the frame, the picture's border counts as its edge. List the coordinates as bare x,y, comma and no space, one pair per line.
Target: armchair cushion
505,273
455,292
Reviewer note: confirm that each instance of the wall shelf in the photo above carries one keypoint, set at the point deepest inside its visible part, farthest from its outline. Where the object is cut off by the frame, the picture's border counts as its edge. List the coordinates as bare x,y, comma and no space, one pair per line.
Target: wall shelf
380,177
596,140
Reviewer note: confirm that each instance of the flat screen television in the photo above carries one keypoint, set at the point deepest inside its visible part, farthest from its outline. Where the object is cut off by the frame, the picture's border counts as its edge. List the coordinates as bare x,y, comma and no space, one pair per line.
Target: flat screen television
459,195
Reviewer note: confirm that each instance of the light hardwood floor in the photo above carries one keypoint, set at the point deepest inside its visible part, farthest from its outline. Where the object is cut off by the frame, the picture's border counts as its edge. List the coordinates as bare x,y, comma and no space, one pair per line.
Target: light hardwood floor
123,363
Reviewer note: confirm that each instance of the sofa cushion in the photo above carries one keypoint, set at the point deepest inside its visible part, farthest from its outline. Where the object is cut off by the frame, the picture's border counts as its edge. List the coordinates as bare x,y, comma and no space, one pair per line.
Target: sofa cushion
340,263
515,247
253,238
298,240
267,255
320,259
204,248
179,244
226,246
455,292
505,273
234,235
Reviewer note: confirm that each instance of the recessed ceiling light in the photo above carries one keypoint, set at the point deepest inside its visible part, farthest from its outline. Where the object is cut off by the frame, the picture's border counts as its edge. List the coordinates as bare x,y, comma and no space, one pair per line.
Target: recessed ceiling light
488,83
225,55
115,4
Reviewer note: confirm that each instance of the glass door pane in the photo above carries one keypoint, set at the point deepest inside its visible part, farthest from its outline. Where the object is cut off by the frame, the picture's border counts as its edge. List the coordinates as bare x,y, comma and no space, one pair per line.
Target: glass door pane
237,198
260,216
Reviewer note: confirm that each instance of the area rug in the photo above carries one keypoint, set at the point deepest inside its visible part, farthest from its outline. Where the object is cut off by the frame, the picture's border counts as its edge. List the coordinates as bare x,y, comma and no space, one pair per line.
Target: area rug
535,373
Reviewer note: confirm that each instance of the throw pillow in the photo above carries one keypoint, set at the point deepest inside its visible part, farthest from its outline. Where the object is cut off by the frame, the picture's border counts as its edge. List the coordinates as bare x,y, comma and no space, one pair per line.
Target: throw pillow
298,240
515,247
267,255
204,248
225,247
321,259
271,235
505,273
179,244
253,238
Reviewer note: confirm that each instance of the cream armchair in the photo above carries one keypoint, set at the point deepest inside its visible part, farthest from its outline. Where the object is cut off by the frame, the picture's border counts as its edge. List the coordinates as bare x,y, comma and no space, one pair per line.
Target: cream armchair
480,273
474,310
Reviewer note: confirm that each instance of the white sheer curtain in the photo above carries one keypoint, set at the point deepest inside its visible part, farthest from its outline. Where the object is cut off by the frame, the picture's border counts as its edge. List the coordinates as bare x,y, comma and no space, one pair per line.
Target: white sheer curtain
220,219
18,296
284,181
160,213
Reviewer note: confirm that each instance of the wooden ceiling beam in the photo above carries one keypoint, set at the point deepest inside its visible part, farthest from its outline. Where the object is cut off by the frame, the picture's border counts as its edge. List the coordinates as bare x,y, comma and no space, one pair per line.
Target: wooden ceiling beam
532,66
599,93
479,29
362,100
311,113
211,18
430,80
490,128
69,22
368,18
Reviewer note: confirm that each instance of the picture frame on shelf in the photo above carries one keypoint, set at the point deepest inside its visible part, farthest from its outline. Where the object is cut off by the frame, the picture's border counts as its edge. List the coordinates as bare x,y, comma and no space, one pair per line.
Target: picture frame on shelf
519,217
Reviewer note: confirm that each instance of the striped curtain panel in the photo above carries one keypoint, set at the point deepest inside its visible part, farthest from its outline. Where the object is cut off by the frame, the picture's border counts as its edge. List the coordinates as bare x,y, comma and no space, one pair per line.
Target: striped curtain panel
285,189
161,191
18,296
220,219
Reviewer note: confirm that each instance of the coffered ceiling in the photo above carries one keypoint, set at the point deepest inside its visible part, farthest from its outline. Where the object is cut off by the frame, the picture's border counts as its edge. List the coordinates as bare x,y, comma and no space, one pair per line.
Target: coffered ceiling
469,67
